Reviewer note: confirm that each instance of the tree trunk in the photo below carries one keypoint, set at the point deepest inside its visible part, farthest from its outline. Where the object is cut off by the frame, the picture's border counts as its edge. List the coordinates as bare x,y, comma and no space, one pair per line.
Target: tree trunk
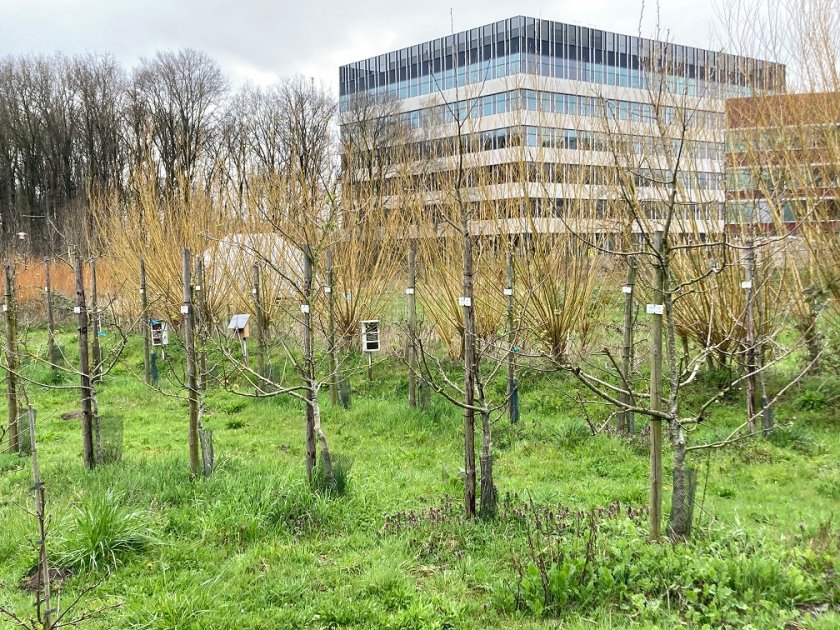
43,593
326,458
84,368
189,349
655,506
11,357
678,527
488,488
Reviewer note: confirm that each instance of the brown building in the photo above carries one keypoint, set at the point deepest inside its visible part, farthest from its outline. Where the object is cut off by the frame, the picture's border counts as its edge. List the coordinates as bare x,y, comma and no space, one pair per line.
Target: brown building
782,161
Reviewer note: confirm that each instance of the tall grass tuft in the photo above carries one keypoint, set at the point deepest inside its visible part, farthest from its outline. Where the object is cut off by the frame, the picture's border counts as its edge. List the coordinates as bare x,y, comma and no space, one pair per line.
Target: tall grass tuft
101,534
339,485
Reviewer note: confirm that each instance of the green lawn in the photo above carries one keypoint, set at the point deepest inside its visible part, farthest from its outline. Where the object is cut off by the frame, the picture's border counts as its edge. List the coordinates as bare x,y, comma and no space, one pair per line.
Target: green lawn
253,547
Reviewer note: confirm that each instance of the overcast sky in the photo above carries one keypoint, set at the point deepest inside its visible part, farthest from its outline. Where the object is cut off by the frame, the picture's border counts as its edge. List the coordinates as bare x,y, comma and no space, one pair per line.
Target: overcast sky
261,40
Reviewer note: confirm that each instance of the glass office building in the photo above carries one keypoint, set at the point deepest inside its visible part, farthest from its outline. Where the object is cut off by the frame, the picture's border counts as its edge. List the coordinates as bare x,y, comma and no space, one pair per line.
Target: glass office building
549,87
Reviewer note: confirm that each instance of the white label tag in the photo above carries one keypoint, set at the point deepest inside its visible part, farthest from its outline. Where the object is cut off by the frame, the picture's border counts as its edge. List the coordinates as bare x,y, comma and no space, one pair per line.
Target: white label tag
409,291
5,308
348,297
304,308
254,291
627,289
185,309
46,289
76,309
464,301
198,287
655,309
327,289
508,291
746,284
142,290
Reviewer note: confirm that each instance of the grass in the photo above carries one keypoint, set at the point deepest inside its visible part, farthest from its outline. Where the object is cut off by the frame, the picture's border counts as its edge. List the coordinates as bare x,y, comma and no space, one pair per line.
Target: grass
254,547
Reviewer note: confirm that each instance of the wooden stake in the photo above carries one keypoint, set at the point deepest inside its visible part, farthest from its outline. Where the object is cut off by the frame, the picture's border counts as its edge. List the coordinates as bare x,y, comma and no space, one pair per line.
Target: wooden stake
11,357
469,374
656,388
147,328
411,313
308,359
96,350
512,385
331,347
84,366
260,328
51,350
202,322
625,418
189,345
750,324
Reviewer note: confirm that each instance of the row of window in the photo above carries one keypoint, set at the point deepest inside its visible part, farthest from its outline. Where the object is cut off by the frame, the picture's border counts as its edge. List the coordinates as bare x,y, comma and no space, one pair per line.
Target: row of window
546,207
516,63
785,138
558,103
550,173
554,138
781,178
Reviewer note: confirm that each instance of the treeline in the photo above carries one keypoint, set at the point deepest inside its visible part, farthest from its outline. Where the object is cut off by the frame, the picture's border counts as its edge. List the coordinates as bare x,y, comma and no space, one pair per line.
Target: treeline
75,132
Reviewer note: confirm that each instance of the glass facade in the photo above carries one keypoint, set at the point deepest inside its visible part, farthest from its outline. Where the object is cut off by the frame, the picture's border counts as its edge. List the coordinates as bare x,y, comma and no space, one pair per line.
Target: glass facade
552,102
553,49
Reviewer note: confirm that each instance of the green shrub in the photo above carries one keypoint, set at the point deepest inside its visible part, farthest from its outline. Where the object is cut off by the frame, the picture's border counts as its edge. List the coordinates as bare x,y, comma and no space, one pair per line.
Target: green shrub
795,437
102,533
812,400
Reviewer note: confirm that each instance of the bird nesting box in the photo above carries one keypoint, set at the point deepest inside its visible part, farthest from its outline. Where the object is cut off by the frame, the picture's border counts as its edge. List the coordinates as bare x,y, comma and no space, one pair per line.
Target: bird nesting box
370,335
239,326
160,332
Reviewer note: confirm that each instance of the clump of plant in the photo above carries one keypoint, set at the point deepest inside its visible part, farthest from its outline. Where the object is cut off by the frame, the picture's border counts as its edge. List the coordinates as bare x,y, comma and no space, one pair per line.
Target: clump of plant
339,483
578,562
795,437
101,534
